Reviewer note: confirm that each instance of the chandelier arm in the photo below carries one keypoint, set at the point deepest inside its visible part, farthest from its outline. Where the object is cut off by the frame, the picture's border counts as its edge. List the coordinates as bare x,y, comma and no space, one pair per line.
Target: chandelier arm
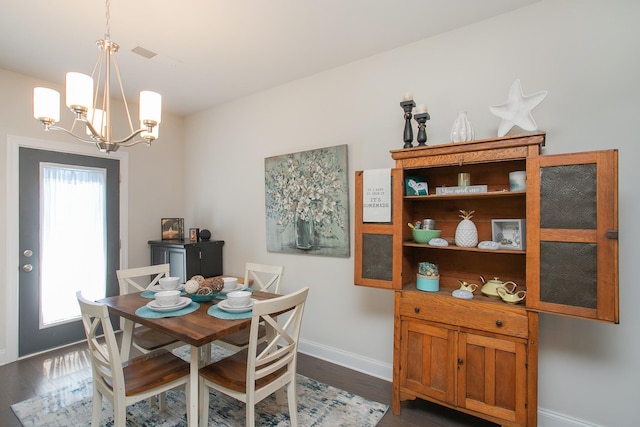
130,137
124,98
68,132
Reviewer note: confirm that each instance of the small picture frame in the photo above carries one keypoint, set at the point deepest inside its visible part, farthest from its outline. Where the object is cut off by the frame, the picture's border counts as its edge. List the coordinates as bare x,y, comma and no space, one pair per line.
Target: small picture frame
509,233
194,234
172,228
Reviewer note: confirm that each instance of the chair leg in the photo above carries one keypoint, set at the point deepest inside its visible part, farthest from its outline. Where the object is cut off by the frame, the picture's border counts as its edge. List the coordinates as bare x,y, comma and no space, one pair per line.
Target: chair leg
119,412
203,402
250,411
96,412
163,401
293,404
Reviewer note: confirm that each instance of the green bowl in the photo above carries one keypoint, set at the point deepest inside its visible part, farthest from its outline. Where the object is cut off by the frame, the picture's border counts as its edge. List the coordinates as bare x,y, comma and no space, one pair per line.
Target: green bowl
423,236
202,298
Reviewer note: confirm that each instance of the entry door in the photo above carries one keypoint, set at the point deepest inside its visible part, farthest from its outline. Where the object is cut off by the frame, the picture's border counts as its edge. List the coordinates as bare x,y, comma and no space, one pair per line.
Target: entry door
61,250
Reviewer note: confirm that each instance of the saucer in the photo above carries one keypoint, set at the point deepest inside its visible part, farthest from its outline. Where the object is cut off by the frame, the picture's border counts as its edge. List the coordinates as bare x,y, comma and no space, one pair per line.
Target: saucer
157,288
237,287
225,306
182,303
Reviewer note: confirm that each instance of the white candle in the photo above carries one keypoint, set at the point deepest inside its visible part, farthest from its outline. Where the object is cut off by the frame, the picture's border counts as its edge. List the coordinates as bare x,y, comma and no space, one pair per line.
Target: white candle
408,96
422,108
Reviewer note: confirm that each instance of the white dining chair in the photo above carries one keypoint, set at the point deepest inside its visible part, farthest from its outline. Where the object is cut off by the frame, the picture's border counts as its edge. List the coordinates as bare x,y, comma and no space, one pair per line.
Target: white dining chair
126,383
140,279
262,278
261,369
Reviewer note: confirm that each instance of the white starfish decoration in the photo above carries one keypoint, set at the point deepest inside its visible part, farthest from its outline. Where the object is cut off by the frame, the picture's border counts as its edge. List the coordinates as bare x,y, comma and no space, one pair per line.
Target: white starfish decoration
517,110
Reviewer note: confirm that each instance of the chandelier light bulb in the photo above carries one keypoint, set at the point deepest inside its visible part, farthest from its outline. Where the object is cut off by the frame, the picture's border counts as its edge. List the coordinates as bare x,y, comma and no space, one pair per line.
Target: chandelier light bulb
150,107
46,104
79,95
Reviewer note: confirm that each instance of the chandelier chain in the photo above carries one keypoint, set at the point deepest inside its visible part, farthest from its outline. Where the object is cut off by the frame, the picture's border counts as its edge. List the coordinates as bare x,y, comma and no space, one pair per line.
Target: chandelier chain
107,29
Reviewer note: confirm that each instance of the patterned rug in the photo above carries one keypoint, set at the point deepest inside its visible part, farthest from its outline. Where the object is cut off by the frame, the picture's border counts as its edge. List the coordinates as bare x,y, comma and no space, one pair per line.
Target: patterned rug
318,405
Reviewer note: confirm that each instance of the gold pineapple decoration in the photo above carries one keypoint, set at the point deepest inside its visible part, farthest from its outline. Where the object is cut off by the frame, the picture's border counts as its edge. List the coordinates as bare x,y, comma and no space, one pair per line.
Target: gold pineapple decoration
466,232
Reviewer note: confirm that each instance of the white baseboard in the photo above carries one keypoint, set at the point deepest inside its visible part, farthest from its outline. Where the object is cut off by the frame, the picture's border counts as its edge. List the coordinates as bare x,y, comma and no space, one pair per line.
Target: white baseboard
384,371
3,357
548,418
356,362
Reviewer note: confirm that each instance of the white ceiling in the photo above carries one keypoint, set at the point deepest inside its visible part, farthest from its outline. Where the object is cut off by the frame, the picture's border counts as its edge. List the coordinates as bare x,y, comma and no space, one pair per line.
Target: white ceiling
212,51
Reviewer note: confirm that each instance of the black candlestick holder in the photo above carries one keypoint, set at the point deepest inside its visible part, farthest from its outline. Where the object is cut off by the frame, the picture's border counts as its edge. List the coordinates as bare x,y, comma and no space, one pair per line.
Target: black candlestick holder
408,106
422,118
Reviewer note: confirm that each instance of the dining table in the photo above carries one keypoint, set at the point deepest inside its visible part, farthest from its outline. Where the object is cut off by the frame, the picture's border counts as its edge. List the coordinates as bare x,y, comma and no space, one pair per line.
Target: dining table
198,329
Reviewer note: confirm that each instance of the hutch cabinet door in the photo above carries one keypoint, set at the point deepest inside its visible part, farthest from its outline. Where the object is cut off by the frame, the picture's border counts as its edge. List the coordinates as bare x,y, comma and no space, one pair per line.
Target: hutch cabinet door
427,361
374,243
492,376
572,234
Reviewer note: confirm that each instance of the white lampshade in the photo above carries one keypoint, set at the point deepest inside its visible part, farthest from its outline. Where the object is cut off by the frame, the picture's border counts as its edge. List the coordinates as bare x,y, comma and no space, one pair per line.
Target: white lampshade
79,91
150,106
46,104
97,119
153,134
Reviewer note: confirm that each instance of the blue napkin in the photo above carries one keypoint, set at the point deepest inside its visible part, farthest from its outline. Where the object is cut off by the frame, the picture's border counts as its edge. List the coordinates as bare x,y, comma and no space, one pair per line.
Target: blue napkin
215,311
145,311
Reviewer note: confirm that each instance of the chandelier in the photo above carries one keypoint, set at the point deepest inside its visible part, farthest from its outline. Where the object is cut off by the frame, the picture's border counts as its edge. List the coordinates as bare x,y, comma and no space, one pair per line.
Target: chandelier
92,108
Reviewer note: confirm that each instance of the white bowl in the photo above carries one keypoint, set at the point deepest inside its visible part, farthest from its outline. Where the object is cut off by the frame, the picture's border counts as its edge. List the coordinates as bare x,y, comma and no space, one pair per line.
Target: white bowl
230,282
166,298
169,283
239,298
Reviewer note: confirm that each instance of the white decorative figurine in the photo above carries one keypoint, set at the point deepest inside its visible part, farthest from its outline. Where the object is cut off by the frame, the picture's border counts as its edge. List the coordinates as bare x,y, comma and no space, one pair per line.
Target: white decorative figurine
517,110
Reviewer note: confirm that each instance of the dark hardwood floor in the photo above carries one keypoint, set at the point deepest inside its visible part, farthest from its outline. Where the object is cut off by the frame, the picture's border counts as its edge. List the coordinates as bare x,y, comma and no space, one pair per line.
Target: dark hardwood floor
46,372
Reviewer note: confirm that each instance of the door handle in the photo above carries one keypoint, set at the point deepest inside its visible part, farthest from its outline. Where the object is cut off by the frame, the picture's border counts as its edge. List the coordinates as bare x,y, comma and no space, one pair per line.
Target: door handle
27,267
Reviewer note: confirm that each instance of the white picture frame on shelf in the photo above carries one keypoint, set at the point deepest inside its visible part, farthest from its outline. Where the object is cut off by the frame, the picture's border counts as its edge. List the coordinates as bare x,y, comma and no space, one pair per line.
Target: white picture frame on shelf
509,233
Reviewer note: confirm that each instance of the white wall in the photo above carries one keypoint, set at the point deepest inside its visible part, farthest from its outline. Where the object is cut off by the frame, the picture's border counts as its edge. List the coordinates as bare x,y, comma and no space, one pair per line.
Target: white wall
585,53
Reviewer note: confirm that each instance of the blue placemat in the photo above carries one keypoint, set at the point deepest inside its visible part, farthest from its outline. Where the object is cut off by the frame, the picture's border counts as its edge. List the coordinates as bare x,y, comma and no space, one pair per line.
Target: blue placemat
145,311
222,295
221,314
152,295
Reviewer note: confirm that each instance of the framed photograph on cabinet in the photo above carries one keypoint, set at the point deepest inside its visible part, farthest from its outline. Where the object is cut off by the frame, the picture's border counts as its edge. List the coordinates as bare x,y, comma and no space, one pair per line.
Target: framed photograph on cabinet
172,228
193,234
509,233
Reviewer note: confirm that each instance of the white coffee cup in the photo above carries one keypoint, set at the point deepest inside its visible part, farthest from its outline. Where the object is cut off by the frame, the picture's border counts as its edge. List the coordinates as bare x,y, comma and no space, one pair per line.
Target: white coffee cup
239,298
169,283
166,298
230,283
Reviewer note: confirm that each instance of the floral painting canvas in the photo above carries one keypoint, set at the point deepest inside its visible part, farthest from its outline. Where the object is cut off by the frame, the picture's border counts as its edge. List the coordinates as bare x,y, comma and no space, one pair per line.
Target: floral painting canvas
307,202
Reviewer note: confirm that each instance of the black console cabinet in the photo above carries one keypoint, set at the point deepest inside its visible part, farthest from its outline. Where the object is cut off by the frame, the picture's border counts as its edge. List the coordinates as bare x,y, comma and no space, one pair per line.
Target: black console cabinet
188,259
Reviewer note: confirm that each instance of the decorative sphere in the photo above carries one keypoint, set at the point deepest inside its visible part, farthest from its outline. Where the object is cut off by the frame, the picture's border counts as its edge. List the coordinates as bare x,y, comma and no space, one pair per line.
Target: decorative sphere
205,234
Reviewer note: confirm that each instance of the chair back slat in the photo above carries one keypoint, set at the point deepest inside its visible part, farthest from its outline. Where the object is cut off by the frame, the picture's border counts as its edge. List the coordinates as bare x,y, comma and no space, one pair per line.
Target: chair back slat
282,337
105,357
264,277
141,278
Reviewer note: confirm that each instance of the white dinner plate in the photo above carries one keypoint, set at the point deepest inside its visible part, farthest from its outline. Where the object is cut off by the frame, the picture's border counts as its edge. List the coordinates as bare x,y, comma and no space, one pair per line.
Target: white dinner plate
237,287
157,288
225,306
182,303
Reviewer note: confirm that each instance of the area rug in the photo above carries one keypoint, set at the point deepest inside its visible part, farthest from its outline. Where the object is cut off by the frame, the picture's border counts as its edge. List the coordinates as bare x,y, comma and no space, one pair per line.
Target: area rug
318,405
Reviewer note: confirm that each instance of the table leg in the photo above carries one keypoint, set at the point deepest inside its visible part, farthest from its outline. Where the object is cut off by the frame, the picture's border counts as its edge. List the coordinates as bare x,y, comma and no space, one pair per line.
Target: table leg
193,387
127,339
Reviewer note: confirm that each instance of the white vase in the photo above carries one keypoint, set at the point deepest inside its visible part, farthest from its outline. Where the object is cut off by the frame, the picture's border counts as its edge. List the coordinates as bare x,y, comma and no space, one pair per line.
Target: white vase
462,130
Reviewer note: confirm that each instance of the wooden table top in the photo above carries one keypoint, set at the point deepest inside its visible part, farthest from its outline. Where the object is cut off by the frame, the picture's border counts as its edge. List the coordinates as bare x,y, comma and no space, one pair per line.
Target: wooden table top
197,328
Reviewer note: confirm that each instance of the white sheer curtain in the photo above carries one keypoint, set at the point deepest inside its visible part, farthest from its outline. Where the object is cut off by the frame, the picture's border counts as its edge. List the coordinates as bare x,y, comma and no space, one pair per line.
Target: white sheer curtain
73,239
